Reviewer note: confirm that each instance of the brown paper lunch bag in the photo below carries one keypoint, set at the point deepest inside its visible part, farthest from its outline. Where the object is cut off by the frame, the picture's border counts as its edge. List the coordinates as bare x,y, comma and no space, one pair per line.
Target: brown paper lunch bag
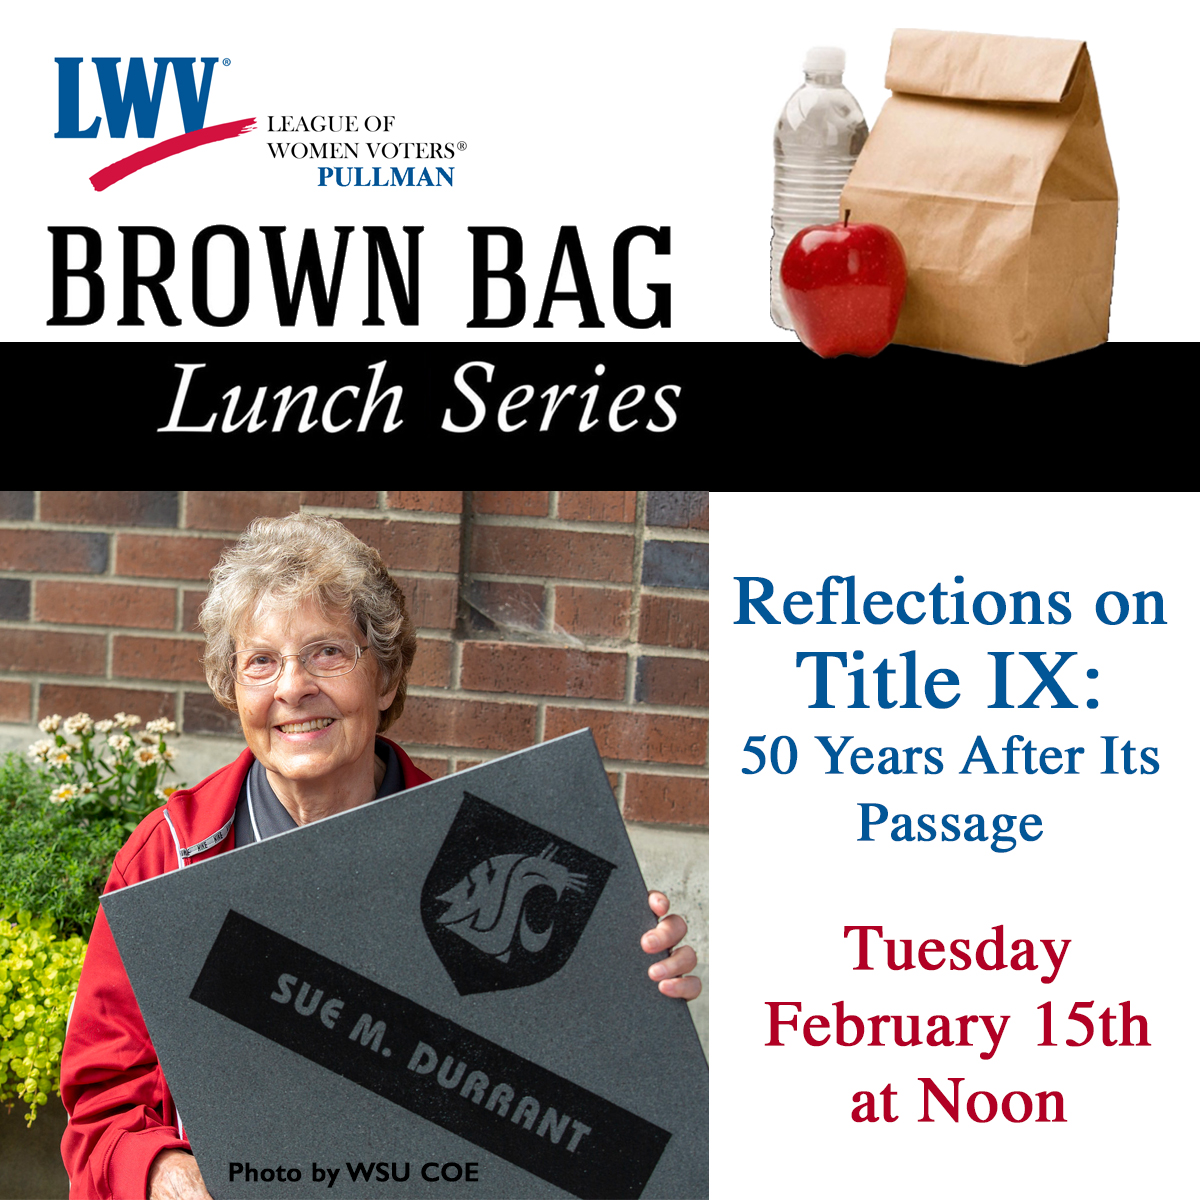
989,163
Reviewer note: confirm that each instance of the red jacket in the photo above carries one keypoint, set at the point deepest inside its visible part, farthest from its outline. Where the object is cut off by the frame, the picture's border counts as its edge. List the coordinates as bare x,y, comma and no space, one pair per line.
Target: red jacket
121,1114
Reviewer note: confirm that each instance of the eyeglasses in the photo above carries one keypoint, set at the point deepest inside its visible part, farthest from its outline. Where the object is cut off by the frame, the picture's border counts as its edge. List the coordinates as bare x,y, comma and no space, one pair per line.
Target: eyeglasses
326,658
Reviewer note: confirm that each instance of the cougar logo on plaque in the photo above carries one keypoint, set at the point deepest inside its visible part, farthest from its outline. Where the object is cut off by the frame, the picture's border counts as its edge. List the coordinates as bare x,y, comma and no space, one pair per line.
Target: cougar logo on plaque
505,902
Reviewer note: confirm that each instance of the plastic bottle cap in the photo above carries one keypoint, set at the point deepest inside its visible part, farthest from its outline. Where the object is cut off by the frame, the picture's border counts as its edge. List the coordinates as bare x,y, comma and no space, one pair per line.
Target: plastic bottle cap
825,58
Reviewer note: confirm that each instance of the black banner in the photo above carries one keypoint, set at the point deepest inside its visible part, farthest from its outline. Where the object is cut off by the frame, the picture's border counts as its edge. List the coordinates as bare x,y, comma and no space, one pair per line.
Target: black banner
423,1062
728,414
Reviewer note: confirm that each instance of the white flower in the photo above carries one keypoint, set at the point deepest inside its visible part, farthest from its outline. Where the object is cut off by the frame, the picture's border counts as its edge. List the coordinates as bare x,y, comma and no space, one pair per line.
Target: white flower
105,726
63,794
169,754
60,757
79,723
144,756
127,720
119,742
50,724
40,748
147,739
160,725
87,787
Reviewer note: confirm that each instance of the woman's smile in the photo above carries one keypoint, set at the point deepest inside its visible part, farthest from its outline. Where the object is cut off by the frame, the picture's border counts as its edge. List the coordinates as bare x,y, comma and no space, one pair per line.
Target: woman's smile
311,725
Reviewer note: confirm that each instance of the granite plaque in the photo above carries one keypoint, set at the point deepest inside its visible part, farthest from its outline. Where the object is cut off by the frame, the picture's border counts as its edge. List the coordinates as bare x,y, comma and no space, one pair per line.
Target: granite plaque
437,994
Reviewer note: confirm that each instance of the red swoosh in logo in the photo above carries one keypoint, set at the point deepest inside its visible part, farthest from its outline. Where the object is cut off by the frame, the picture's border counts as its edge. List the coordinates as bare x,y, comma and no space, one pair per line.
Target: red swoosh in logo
117,171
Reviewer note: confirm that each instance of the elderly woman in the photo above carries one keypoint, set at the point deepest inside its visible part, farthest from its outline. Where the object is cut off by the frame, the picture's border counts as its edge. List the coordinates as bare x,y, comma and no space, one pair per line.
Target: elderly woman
310,640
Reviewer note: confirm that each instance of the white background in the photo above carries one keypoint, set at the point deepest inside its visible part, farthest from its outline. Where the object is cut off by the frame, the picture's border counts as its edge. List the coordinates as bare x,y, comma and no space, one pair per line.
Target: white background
1113,871
603,117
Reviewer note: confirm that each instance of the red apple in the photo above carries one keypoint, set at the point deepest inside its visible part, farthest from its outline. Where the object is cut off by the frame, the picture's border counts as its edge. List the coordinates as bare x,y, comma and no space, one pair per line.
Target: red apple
843,285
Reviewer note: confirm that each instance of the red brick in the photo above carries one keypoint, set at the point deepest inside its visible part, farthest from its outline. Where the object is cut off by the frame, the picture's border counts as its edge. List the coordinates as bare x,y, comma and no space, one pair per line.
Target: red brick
597,506
162,557
639,736
174,659
473,724
592,612
543,670
15,701
72,603
66,699
57,653
435,768
666,799
438,502
111,508
340,499
510,550
670,621
498,605
411,545
432,603
192,600
512,504
431,666
672,681
233,511
44,550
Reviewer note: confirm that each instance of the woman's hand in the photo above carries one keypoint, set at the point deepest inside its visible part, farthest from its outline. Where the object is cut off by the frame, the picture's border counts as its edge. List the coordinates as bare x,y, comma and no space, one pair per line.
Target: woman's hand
671,973
174,1175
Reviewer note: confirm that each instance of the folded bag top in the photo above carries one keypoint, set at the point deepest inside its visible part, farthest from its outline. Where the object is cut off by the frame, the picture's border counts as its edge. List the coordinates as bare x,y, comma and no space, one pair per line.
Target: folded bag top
982,66
989,162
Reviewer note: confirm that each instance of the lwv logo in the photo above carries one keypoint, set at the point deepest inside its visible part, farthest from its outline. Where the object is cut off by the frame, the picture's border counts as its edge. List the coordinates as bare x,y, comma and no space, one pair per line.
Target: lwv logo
136,99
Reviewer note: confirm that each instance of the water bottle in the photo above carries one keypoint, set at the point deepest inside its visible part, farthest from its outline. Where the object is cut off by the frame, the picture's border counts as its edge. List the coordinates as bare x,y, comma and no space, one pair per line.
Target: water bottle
820,133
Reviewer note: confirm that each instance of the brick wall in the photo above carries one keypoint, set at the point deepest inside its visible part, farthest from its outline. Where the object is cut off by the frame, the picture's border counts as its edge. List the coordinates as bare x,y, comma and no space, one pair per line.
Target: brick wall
538,613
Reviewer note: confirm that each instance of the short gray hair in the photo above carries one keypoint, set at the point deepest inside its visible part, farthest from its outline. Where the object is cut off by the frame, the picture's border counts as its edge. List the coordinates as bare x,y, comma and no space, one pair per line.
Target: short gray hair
285,561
